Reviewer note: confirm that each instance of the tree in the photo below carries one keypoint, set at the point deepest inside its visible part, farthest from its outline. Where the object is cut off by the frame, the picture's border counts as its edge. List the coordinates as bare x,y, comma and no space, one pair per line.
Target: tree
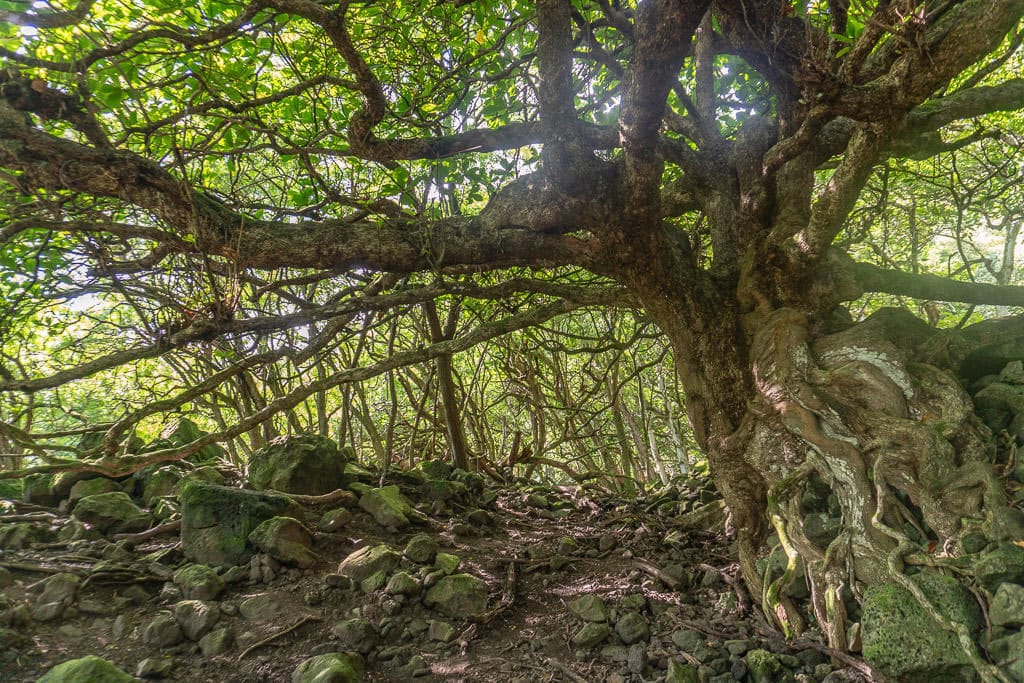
705,156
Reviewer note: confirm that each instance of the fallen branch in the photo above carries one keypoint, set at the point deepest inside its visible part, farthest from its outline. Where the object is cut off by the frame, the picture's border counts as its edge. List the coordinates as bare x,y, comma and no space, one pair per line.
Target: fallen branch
648,568
274,636
149,533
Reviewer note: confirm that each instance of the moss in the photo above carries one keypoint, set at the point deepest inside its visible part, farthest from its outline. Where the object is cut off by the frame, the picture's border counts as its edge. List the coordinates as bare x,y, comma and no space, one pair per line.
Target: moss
902,639
305,464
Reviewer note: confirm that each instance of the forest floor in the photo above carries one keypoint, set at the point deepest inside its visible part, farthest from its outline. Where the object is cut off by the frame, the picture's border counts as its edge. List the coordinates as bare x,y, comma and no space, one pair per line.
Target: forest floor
694,616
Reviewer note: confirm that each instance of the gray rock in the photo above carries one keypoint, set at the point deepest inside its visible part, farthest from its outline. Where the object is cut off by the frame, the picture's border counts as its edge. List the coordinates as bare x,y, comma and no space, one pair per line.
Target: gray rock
374,582
446,563
367,561
1007,607
333,667
216,642
274,606
388,507
441,631
335,520
161,482
217,520
606,542
636,661
285,539
155,667
479,518
48,611
305,464
1003,564
402,584
198,582
421,548
196,618
90,669
163,631
764,667
61,588
592,634
589,608
112,513
632,628
680,672
458,596
901,639
356,634
91,487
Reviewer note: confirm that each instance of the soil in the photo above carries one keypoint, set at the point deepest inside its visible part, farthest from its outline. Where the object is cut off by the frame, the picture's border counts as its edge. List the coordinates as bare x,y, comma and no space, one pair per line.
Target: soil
622,548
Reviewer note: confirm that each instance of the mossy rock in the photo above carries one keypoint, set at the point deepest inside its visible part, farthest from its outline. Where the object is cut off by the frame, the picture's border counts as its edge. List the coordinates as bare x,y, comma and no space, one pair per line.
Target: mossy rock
368,561
333,667
184,431
1002,564
388,506
37,490
285,539
112,512
11,489
436,469
159,482
217,520
765,667
92,487
904,642
306,464
458,596
90,669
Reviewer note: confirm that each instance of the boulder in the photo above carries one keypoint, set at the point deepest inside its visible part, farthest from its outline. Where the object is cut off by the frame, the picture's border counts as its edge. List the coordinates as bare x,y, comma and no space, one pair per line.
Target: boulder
904,642
184,431
36,489
367,561
402,584
285,539
90,669
274,606
159,482
92,487
591,635
198,582
458,596
306,464
163,631
333,667
112,513
388,507
216,642
217,520
356,634
1007,606
1002,564
196,617
421,548
764,667
589,608
632,628
335,520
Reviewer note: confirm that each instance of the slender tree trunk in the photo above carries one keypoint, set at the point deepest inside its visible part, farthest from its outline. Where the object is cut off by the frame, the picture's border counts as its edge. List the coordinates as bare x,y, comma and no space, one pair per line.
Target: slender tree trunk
446,382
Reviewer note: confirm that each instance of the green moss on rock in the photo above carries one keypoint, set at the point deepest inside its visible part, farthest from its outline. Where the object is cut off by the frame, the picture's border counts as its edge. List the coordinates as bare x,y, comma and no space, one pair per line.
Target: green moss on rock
306,464
89,669
904,642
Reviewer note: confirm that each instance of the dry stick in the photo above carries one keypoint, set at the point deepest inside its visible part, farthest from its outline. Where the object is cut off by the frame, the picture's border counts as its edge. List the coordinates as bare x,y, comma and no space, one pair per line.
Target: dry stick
566,671
275,636
149,533
30,517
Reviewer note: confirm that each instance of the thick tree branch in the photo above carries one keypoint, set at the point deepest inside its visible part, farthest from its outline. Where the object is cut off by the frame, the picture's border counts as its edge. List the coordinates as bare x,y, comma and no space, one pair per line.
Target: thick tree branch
935,288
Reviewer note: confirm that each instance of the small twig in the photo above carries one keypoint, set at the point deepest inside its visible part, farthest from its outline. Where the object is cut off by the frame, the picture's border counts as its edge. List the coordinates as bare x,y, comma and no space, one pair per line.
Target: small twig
274,636
508,597
149,533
